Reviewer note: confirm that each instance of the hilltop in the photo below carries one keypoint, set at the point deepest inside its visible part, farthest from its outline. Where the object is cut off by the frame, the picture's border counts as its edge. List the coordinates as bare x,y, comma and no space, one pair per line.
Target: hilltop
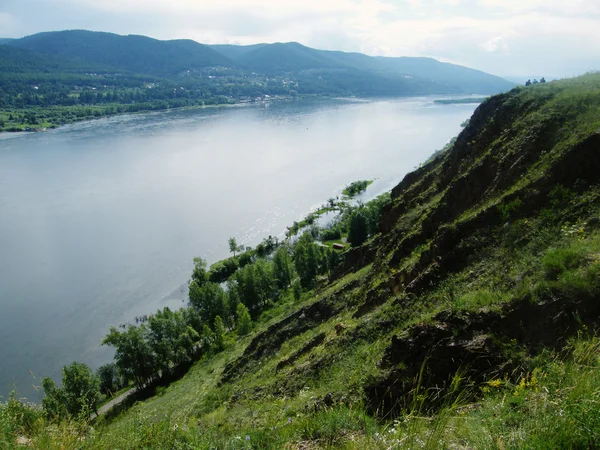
466,319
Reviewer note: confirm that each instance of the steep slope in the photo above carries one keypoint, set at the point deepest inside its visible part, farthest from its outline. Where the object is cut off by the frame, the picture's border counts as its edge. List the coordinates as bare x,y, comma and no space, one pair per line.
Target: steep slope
486,261
136,54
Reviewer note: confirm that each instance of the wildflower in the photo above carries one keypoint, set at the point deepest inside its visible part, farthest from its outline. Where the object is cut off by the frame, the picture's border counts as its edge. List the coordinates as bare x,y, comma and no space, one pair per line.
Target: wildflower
247,437
289,420
495,383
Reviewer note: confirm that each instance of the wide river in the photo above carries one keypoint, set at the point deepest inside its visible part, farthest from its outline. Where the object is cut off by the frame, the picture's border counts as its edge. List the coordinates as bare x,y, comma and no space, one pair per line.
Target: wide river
100,221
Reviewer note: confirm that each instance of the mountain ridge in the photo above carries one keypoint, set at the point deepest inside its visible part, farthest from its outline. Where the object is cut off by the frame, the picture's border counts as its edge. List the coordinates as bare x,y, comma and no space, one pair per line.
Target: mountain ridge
144,55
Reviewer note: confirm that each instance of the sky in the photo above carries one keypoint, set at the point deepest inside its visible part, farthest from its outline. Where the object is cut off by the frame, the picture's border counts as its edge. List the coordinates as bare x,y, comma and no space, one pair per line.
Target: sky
511,38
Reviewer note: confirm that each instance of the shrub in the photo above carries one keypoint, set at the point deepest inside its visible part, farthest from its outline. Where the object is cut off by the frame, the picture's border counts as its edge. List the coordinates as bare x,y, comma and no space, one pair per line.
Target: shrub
558,260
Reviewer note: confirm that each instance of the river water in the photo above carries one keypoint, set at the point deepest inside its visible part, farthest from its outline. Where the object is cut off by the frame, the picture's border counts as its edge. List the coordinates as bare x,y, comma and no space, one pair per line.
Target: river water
100,221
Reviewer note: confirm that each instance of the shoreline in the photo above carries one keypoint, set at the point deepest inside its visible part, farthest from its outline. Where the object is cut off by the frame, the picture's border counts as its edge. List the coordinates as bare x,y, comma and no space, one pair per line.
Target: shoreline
47,126
237,104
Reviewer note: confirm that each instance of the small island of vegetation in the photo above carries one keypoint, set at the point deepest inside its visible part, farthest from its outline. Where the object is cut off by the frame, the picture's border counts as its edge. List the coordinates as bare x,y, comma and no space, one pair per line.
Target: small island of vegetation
357,187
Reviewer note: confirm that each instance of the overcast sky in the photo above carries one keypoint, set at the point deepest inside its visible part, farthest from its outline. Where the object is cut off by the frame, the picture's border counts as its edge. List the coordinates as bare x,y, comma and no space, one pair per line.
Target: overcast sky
555,38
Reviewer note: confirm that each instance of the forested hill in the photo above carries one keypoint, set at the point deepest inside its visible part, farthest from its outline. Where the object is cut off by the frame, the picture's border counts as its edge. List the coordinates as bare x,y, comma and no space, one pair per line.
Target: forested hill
137,54
14,60
292,56
351,72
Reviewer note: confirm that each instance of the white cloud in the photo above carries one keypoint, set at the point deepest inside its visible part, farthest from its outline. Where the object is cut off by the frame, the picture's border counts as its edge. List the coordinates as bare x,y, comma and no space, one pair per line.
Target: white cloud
496,44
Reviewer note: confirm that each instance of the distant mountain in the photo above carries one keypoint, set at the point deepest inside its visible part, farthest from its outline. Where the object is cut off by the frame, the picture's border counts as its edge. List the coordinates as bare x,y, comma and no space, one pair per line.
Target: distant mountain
5,40
15,60
275,69
293,57
137,54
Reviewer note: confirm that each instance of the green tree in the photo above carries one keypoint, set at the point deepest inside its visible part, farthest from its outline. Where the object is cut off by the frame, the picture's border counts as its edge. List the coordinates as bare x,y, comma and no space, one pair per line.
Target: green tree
133,353
255,284
358,232
108,378
282,268
209,300
54,402
233,246
219,342
306,259
199,275
161,337
297,288
79,394
244,322
207,339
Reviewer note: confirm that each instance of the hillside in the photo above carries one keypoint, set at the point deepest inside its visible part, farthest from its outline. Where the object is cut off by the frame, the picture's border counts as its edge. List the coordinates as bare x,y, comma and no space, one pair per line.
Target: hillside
294,57
344,73
467,320
136,54
19,61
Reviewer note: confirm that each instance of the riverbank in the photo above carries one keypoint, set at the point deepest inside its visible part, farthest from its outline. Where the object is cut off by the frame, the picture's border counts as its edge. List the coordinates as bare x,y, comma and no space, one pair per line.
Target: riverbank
40,119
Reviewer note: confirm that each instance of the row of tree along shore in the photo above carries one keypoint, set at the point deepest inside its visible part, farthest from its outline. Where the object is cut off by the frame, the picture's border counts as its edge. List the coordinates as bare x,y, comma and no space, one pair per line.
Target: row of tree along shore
225,302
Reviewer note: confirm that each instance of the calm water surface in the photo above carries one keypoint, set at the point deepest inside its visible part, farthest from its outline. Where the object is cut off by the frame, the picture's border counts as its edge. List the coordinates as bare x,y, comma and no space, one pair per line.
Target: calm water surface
100,221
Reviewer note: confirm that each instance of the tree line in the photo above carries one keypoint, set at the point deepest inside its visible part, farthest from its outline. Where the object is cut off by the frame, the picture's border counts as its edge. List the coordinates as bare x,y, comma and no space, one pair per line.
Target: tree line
219,311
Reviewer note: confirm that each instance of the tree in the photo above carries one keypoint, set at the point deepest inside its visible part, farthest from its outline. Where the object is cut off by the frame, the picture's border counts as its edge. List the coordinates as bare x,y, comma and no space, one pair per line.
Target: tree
244,322
297,289
207,339
79,394
108,378
54,402
233,246
282,268
133,353
306,259
358,232
82,389
199,275
219,342
209,300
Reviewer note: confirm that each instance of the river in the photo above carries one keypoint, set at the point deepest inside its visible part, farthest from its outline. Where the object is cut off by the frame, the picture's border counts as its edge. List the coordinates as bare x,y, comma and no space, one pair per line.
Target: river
100,220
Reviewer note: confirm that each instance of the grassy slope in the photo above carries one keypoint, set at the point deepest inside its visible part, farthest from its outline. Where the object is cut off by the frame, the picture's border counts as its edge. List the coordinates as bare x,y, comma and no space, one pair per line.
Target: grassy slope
456,326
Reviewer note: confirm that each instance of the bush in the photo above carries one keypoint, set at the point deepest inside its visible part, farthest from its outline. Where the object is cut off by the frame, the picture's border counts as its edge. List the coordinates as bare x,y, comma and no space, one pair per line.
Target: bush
558,260
17,418
330,234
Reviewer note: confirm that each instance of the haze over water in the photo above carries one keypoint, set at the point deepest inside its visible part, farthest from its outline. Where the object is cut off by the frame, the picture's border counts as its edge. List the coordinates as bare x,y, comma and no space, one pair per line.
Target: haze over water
100,221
